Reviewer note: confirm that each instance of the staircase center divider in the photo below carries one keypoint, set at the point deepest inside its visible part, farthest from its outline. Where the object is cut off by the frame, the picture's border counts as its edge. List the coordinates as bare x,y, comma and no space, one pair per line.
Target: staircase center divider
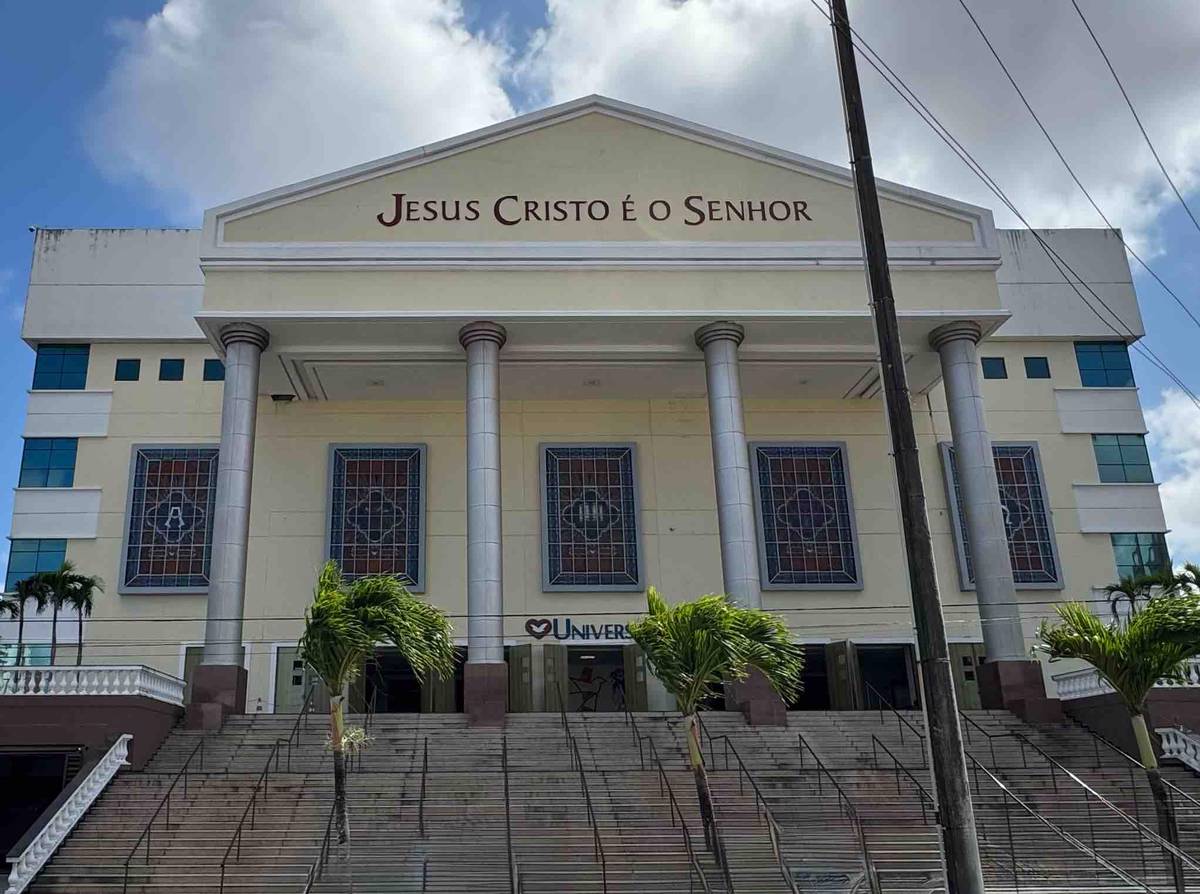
514,874
317,869
664,785
164,803
263,783
923,796
598,846
421,795
712,826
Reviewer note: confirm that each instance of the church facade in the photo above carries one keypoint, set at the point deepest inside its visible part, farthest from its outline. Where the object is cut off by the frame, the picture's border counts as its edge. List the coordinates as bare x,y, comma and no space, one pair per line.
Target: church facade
536,369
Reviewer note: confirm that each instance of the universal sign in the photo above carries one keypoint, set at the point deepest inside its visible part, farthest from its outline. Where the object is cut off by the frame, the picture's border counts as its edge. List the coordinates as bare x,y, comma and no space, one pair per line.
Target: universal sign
566,629
512,210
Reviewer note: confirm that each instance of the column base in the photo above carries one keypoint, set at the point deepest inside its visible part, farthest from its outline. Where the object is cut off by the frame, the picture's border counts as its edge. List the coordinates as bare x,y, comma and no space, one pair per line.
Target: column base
218,690
485,693
758,702
1017,686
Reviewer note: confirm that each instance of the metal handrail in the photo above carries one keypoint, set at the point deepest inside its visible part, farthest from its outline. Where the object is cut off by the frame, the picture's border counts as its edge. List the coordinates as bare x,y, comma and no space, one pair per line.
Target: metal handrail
760,800
263,784
317,869
845,804
901,720
901,768
711,826
1057,830
165,802
598,845
421,796
1129,758
664,786
514,874
368,722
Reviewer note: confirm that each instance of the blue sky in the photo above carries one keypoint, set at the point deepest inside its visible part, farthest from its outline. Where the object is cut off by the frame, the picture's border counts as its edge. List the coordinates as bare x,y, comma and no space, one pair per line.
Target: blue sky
88,114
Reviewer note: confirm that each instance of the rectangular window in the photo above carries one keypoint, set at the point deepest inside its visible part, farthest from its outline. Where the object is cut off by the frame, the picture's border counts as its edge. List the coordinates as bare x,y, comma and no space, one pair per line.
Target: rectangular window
168,541
377,511
129,369
1037,368
214,370
61,367
590,517
1139,554
170,369
1122,459
1031,545
1104,364
48,462
994,368
806,525
26,557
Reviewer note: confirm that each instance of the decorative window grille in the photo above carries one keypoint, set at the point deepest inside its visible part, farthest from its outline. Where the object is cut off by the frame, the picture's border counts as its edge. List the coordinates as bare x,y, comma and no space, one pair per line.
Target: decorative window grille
807,537
168,542
1031,546
377,511
590,517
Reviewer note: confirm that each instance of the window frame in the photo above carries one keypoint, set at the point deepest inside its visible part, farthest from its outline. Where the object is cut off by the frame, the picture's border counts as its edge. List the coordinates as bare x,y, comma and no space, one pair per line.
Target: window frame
137,369
207,365
182,361
25,451
1122,465
1159,534
1100,343
418,585
1045,361
39,540
87,354
544,520
983,365
760,524
124,589
965,584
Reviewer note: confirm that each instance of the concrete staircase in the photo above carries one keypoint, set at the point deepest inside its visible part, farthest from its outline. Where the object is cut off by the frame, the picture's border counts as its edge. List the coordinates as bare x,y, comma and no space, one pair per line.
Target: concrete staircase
444,829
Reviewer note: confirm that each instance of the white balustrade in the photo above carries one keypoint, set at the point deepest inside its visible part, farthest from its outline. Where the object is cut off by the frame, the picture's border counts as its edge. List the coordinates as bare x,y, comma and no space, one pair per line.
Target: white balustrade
1087,682
29,862
1181,745
100,680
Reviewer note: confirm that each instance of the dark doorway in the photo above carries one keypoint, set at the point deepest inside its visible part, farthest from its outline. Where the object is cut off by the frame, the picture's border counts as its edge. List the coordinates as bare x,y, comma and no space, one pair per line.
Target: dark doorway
887,670
29,782
595,679
392,683
815,693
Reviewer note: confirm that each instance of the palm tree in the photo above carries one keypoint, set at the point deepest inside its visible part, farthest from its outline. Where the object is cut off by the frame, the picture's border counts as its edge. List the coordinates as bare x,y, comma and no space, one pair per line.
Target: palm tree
1132,653
13,605
341,628
58,584
80,597
695,647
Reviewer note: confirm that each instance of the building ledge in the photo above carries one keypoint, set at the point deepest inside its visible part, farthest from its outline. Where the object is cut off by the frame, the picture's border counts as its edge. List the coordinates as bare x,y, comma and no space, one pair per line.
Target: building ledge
71,513
99,681
1114,508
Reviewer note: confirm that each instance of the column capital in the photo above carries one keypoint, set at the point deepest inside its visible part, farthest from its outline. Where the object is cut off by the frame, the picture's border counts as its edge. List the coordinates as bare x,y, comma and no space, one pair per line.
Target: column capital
721,330
482,330
244,332
956,331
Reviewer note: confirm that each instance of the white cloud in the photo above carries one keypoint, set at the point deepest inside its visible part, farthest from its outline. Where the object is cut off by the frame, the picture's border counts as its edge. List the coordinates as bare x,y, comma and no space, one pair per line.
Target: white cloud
1175,438
209,101
765,69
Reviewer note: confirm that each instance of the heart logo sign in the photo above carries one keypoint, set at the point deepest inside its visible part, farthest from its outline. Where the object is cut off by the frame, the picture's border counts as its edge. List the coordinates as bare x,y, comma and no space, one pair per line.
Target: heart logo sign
538,627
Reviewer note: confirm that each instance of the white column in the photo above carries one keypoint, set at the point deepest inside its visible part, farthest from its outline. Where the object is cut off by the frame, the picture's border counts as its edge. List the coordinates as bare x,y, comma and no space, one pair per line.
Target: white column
976,467
731,462
485,601
244,344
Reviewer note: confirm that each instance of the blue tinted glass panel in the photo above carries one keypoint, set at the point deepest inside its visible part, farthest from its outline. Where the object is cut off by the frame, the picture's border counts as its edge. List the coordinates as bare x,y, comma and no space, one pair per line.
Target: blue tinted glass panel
61,367
805,518
128,370
1104,364
994,368
214,370
1026,515
28,557
1037,368
591,524
1140,554
170,370
376,518
169,535
1122,459
48,462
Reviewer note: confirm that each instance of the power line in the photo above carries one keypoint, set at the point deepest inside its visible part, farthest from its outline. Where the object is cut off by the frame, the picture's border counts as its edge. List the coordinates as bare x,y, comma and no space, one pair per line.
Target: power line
910,97
1136,117
1066,164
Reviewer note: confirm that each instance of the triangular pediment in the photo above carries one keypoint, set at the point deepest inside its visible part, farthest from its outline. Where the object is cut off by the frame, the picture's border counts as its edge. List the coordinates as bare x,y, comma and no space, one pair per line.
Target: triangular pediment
589,177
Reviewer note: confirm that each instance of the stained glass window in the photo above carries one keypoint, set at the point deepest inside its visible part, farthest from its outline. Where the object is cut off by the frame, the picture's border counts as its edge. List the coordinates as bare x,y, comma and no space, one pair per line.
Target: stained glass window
376,518
169,538
1026,516
806,519
590,516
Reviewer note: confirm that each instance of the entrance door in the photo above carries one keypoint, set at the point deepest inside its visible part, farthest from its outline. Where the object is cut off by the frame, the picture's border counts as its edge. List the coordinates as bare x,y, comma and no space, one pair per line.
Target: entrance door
292,679
887,670
635,677
815,694
965,659
390,679
520,677
595,679
845,680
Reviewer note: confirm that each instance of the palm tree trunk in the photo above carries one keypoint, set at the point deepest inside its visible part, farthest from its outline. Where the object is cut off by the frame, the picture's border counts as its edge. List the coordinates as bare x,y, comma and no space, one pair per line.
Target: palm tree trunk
336,734
79,642
1162,806
53,631
20,629
703,790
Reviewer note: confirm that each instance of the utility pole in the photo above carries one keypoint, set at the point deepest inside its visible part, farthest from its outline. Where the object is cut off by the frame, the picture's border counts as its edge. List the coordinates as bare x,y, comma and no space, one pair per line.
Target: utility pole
964,875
